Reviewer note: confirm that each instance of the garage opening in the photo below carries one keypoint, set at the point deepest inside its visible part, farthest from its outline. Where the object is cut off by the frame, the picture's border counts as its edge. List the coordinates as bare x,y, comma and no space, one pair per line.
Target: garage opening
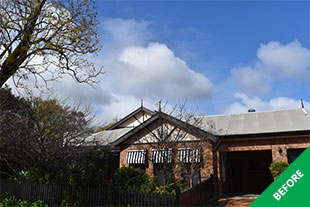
246,172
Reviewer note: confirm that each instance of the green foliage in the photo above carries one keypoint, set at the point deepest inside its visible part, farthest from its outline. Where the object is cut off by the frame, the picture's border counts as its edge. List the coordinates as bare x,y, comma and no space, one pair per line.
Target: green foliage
90,169
133,179
43,141
61,33
172,186
16,120
276,168
12,202
72,200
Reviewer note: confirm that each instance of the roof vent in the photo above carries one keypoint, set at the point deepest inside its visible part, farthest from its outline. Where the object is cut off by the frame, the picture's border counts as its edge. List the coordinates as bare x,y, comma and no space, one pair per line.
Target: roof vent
251,110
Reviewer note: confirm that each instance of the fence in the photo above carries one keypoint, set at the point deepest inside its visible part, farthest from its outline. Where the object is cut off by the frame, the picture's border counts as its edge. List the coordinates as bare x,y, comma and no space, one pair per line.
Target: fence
199,194
54,194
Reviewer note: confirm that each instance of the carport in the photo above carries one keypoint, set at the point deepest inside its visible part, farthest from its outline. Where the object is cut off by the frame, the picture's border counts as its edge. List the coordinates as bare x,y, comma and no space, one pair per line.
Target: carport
246,171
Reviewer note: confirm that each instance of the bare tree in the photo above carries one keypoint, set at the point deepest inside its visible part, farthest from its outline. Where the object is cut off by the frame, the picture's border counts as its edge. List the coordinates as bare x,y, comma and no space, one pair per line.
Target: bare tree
174,149
48,39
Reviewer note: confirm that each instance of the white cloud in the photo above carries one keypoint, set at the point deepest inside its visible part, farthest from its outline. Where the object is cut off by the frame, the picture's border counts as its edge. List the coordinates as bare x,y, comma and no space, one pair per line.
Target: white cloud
251,79
125,32
258,104
139,68
123,105
290,60
275,61
136,68
155,71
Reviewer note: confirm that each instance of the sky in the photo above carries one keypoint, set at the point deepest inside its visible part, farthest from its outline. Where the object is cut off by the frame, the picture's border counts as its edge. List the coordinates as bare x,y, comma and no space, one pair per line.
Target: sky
218,56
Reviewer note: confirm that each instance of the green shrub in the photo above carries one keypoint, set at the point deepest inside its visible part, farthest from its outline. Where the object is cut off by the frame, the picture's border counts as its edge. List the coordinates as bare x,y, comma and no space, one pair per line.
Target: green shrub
132,179
276,168
90,169
7,201
172,186
72,200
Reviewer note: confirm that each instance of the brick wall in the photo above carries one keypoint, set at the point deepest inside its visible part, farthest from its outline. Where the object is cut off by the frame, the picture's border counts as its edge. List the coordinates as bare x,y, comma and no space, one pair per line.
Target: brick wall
273,144
207,157
267,144
211,157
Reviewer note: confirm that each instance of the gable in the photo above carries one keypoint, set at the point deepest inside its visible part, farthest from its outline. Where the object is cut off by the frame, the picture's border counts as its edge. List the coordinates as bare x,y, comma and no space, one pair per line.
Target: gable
133,119
164,132
142,132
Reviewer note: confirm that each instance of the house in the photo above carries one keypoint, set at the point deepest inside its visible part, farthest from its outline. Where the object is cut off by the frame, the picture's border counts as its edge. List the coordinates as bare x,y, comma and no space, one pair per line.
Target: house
249,142
236,148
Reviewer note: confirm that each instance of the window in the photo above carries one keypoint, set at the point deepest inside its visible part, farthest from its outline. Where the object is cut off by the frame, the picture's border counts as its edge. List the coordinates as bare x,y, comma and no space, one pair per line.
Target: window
162,159
136,158
190,159
189,155
162,156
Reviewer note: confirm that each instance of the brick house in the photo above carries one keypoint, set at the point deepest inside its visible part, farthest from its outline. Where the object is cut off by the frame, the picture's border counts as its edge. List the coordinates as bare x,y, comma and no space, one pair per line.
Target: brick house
235,148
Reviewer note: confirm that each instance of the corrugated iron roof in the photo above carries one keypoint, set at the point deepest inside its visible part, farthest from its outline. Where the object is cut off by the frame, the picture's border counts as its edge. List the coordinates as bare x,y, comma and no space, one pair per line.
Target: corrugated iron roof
288,120
107,136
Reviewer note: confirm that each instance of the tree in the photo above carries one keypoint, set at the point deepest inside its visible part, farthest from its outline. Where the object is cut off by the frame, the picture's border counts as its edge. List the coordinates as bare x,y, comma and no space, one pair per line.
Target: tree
93,168
48,39
16,121
41,133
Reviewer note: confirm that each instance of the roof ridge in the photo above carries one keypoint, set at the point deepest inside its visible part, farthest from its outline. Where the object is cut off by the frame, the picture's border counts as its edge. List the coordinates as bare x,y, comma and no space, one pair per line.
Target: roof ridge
256,112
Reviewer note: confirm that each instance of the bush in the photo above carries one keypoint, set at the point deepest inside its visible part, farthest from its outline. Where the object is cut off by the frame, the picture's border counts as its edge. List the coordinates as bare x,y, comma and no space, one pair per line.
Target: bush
72,200
12,202
276,168
90,169
172,186
133,179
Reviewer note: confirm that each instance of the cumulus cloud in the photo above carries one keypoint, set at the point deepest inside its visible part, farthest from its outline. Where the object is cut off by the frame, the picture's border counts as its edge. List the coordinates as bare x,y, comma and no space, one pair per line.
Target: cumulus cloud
257,103
275,61
136,68
155,71
251,79
119,33
123,104
291,60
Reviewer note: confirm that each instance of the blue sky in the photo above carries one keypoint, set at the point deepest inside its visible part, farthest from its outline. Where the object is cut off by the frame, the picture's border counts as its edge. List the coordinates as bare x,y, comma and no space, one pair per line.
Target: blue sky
220,56
247,50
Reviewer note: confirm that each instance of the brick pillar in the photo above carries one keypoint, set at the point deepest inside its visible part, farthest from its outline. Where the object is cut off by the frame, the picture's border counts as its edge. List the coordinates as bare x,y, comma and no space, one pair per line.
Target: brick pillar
279,153
207,165
150,166
177,168
217,174
122,158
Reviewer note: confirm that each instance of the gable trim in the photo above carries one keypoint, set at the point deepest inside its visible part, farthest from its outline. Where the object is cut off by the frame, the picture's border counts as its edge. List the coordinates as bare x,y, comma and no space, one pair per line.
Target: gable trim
157,115
132,114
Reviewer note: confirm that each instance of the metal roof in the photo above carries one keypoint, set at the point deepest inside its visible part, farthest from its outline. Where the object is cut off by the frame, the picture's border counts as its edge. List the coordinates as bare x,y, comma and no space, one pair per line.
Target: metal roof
171,119
107,136
289,120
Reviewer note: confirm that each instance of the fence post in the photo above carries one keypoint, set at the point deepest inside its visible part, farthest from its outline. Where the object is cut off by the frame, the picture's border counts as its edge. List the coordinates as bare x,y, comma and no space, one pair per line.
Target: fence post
177,197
